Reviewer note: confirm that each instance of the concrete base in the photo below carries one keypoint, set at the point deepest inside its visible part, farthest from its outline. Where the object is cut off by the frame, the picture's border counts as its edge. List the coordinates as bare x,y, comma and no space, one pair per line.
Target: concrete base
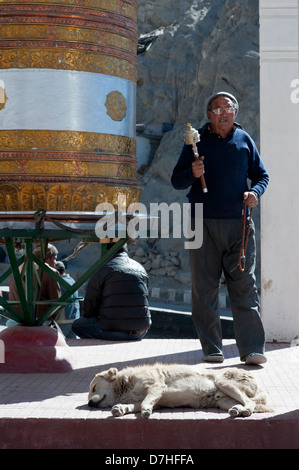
34,349
137,433
50,411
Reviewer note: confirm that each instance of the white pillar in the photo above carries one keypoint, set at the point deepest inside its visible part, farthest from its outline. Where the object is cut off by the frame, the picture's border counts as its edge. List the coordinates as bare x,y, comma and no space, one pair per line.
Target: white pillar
279,95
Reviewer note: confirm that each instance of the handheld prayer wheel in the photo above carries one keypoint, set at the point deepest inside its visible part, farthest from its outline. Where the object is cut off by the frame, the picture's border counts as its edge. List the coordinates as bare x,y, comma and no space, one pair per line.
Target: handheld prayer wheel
68,73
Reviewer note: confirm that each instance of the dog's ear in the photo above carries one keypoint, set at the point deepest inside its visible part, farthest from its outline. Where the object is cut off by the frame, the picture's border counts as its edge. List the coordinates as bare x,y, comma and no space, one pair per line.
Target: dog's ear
110,374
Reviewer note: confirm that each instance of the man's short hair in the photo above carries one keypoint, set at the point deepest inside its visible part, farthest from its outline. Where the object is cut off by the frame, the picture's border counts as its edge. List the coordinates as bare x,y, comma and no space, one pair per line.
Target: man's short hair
51,251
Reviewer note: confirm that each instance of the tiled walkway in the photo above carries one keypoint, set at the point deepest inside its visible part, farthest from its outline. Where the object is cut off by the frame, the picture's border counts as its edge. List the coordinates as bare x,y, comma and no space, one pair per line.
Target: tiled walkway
50,410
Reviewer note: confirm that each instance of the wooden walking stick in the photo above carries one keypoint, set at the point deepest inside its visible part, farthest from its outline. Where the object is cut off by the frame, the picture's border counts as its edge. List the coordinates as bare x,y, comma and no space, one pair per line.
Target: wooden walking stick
191,137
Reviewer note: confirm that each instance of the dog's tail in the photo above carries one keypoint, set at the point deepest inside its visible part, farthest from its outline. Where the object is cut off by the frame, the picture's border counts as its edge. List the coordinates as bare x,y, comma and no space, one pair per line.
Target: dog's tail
260,400
261,408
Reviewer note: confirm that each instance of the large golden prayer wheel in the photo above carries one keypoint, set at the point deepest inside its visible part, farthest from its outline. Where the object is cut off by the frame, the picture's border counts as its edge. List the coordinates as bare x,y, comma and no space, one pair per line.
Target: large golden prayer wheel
68,73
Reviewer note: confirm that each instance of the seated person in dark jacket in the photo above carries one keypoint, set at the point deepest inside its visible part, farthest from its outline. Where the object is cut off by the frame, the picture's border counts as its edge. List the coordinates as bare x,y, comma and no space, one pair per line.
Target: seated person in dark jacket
116,302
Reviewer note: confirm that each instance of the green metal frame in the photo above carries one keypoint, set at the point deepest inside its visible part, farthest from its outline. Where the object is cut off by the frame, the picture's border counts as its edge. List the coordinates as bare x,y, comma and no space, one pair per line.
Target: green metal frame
28,272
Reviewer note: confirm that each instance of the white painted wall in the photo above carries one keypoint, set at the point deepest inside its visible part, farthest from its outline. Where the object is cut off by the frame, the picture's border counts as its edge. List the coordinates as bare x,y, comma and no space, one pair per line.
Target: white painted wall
279,94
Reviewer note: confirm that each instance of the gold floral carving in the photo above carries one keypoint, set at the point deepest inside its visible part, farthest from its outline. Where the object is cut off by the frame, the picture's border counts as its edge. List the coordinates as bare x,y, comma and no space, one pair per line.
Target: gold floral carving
63,197
32,197
83,199
67,59
69,34
122,7
116,105
9,197
59,197
61,168
66,141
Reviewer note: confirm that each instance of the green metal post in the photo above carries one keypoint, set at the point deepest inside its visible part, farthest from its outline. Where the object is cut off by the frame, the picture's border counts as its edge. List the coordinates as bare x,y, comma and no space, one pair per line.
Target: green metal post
29,318
18,279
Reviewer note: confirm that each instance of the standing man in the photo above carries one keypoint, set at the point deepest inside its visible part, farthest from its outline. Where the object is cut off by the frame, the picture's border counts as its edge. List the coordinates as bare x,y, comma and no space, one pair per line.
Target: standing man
229,158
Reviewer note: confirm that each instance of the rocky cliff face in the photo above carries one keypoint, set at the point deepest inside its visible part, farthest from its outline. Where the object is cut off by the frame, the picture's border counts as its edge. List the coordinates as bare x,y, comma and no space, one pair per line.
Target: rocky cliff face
196,47
187,50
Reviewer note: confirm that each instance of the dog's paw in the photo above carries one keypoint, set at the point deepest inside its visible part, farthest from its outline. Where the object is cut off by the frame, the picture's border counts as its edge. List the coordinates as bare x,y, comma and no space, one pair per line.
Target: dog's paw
246,412
239,410
233,412
117,410
145,413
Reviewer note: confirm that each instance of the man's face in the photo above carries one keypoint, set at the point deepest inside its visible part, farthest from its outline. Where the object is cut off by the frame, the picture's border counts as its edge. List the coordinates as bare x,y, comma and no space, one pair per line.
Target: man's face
51,261
222,123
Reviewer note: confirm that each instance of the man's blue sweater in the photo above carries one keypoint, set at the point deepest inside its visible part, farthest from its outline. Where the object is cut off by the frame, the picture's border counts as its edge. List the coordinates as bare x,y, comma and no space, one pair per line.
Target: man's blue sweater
229,163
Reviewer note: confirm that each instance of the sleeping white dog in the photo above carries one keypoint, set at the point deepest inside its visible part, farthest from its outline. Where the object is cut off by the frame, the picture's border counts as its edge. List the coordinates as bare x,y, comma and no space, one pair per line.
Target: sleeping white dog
143,388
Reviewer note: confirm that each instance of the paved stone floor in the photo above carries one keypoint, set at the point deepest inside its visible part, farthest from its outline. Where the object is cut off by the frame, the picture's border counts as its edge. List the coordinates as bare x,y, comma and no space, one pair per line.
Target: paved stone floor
50,410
